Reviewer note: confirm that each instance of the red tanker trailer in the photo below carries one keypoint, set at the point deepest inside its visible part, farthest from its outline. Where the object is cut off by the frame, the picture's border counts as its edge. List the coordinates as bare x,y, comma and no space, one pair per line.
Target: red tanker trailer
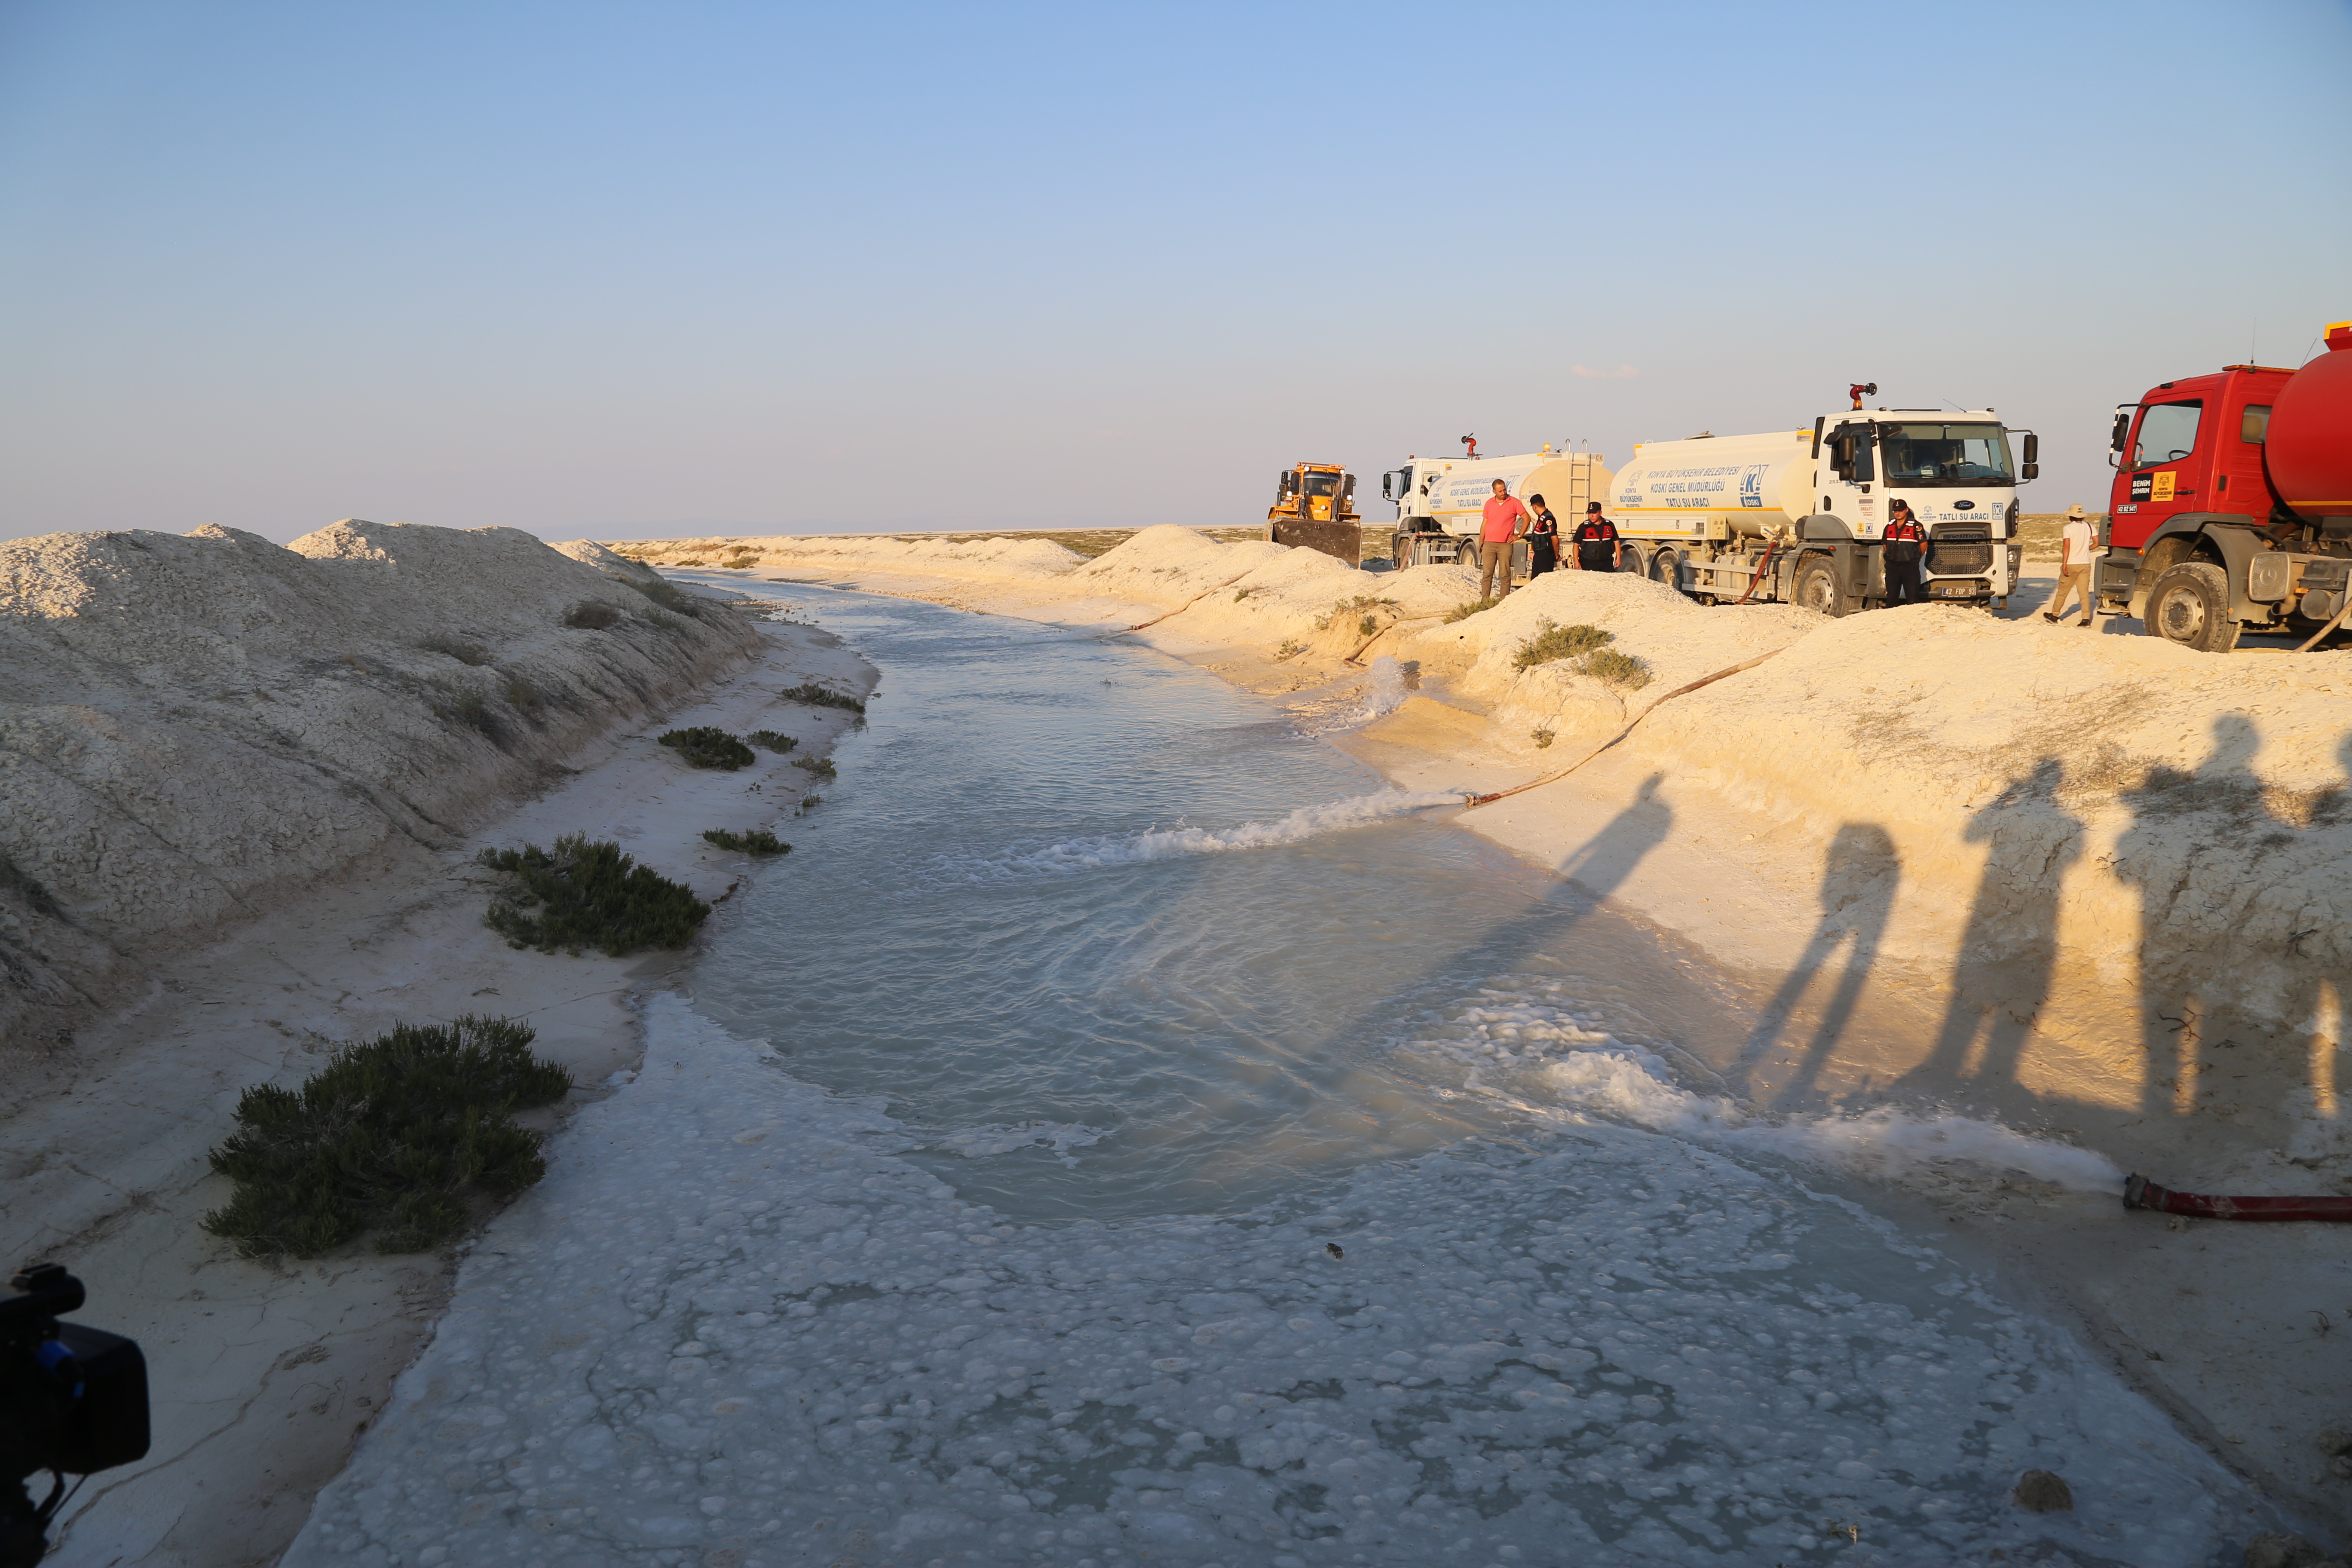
2233,503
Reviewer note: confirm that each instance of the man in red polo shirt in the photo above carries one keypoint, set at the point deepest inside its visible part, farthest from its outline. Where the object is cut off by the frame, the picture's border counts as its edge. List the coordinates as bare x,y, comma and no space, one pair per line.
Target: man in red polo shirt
1506,521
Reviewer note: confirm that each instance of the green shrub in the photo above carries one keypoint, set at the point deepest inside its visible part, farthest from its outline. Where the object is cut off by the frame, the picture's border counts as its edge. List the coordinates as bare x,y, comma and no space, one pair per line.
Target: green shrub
768,740
522,694
670,596
759,841
704,746
817,696
1350,606
1291,646
585,894
666,621
1368,626
1561,642
1469,607
1611,667
821,767
397,1134
470,709
1542,738
463,652
591,618
809,801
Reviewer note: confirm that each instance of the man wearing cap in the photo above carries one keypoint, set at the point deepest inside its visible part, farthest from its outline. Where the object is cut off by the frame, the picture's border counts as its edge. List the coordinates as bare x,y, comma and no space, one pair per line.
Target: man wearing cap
1596,541
1504,517
2076,545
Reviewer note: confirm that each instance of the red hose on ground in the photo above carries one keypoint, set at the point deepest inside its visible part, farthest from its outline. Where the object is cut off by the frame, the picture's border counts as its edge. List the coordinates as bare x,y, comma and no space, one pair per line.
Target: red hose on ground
2139,1192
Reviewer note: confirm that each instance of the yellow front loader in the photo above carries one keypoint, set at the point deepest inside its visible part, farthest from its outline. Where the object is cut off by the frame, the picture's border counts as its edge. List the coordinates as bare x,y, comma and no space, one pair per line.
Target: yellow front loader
1314,507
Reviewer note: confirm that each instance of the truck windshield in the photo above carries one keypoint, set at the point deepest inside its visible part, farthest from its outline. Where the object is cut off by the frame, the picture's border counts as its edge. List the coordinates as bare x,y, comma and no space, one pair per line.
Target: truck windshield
1945,453
1322,485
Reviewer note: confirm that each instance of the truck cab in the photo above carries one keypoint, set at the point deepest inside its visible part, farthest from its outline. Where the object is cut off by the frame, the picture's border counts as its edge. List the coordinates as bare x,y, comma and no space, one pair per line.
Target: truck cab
2197,545
1958,472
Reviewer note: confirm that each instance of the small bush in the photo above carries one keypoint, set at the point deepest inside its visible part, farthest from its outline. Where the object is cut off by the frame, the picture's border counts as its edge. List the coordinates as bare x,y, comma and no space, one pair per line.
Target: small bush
584,895
1291,648
816,696
463,652
1611,667
809,802
1244,593
666,621
522,694
1469,607
1542,738
704,746
759,841
470,709
591,618
1561,642
769,741
670,597
399,1134
821,767
1350,606
1368,626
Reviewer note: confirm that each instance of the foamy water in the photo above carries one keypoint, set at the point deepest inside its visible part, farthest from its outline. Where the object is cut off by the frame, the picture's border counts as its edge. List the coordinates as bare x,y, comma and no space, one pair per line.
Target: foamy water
1343,1192
1097,850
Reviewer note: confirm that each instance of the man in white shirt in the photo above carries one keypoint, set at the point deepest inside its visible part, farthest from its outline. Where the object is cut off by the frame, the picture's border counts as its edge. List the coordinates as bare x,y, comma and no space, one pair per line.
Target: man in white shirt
2076,545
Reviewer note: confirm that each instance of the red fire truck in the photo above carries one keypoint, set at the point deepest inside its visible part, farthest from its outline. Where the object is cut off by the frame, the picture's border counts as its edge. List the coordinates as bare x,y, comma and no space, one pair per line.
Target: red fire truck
2232,503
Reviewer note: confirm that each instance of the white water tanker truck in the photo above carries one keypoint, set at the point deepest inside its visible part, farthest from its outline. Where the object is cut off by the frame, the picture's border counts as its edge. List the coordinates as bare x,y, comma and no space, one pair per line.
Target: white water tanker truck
1792,516
1441,501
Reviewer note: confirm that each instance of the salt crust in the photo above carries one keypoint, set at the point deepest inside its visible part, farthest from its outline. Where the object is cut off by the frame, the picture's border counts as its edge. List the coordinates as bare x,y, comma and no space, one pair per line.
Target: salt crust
735,1326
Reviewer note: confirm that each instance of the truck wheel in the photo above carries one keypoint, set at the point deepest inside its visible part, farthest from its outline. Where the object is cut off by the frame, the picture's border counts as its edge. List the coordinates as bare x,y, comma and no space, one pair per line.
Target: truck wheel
1629,559
1665,567
2191,605
1817,587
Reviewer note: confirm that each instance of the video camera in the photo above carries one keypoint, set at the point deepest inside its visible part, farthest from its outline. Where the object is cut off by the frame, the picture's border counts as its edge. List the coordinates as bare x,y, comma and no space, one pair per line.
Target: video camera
73,1400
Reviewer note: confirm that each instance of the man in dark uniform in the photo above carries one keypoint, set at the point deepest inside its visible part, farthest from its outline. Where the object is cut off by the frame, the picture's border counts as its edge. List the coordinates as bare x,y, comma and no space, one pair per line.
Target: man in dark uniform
1596,541
1902,541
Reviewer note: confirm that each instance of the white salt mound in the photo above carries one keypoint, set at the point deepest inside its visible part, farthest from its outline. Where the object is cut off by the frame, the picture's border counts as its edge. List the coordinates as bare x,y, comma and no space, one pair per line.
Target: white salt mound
197,724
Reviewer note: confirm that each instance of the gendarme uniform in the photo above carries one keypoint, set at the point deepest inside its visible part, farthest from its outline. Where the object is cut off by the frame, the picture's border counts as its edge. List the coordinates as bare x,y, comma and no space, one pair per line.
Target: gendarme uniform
1902,540
1596,543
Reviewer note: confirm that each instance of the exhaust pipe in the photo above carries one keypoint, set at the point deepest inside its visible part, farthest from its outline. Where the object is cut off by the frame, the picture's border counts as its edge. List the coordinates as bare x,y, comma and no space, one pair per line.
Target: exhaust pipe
2139,1192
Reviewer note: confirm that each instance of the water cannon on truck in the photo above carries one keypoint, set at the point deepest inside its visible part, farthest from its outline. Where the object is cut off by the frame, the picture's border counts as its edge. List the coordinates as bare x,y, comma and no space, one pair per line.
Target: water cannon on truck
2232,505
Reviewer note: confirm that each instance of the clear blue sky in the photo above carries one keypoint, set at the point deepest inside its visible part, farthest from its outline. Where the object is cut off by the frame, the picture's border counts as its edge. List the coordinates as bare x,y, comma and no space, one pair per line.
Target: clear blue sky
653,269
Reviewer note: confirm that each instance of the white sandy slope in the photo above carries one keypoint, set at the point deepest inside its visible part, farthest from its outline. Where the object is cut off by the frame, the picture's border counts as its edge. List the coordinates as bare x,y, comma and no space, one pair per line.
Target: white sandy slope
253,831
2107,880
195,726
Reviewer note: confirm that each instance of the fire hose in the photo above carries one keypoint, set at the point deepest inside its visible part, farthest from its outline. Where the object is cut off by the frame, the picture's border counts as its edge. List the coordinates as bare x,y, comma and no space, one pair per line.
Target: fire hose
2139,1192
1477,801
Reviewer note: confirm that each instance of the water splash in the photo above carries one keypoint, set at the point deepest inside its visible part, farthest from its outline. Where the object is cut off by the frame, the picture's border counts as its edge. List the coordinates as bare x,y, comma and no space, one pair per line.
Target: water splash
1534,1045
1167,844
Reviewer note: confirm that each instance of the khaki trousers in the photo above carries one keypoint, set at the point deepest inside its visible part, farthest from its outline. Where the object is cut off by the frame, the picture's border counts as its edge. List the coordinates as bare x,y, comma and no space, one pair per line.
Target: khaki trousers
2075,580
1494,561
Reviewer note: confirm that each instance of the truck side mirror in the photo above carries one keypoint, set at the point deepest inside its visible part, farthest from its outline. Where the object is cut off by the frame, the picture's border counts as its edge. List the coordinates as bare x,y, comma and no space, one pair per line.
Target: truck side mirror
1347,489
1387,480
2122,432
2031,469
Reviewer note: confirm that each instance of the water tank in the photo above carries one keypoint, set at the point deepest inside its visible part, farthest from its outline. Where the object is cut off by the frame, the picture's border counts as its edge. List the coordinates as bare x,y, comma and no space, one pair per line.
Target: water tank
1752,482
2308,447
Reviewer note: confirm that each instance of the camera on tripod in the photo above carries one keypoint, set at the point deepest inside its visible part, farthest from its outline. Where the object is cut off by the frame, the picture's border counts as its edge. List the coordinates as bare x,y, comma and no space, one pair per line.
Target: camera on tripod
73,1400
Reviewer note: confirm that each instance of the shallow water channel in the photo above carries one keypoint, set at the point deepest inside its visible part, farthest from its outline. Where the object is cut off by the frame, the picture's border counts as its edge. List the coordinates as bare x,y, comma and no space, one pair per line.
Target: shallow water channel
1125,1131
